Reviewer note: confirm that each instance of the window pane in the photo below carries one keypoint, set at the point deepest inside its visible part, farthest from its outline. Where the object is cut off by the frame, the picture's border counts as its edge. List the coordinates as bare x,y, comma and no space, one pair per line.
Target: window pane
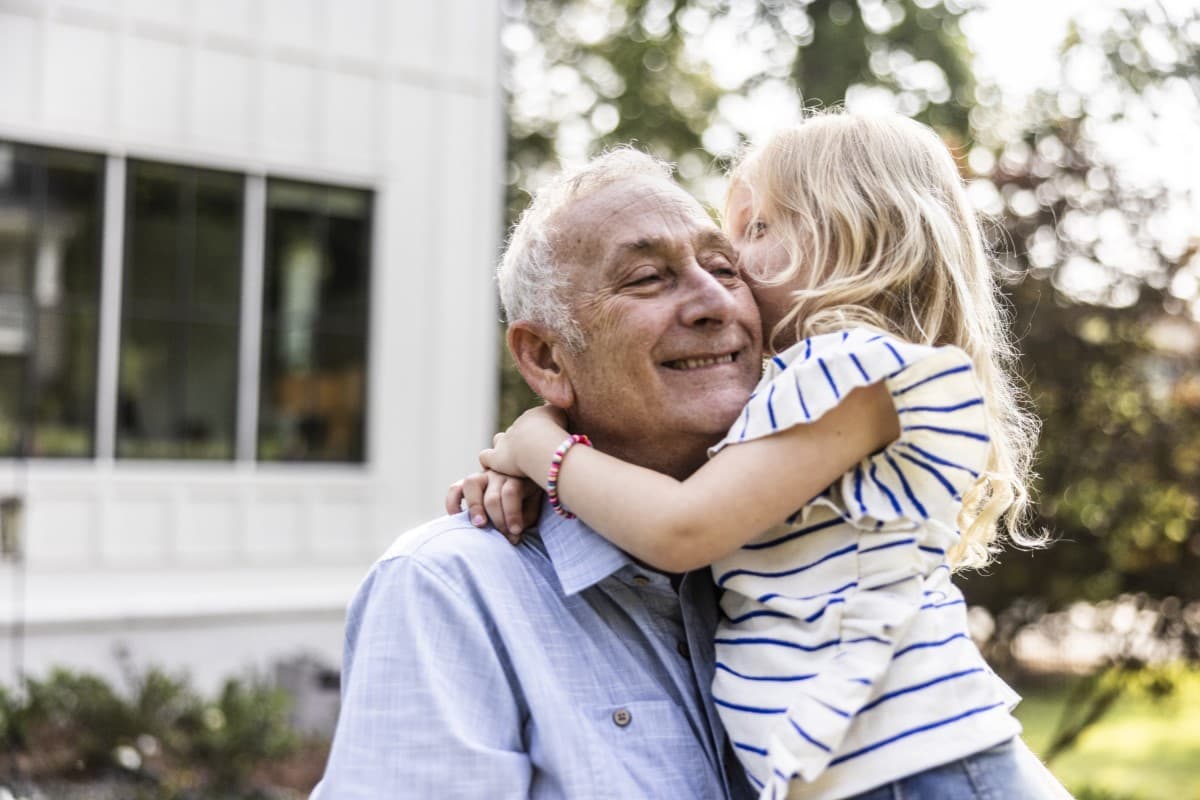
156,229
12,378
344,292
179,341
313,412
19,231
74,199
64,376
145,401
206,427
315,321
217,275
51,204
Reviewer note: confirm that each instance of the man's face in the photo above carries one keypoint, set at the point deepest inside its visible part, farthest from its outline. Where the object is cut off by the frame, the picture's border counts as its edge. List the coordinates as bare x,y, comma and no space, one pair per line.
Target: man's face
673,342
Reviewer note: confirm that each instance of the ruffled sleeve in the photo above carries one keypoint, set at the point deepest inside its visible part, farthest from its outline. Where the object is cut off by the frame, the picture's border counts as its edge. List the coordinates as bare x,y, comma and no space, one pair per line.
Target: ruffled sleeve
943,445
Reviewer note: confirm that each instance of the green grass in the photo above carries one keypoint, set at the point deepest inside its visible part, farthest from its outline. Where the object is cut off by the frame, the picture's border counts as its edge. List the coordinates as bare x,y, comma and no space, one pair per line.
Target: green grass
1141,750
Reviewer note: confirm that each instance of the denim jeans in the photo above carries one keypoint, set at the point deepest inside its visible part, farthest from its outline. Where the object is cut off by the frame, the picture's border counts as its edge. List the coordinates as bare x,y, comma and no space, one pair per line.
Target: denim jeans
1006,772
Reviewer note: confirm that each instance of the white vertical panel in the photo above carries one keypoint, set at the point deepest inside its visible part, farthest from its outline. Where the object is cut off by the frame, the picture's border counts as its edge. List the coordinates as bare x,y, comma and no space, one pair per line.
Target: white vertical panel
60,530
94,6
352,28
278,528
226,17
403,346
291,23
170,12
412,35
289,94
18,66
221,110
139,531
346,120
151,83
208,532
77,76
253,235
467,28
338,529
466,313
111,268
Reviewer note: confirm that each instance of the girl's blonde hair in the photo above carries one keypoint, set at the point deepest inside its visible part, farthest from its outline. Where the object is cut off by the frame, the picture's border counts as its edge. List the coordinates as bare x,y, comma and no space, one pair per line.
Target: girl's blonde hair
875,218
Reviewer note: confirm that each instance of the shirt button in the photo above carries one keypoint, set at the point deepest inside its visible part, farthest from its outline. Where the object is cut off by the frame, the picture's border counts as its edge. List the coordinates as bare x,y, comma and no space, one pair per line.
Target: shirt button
683,650
641,580
622,717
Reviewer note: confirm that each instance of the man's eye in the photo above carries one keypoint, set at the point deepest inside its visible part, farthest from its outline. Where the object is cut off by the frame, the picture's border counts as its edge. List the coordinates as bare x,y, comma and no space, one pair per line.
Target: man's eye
723,266
645,279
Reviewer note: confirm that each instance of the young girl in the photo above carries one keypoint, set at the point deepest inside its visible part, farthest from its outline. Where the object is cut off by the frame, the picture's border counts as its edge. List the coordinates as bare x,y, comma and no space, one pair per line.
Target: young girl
883,448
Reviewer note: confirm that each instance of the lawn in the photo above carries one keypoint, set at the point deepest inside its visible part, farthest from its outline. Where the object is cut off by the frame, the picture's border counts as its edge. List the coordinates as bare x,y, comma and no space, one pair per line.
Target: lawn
1141,750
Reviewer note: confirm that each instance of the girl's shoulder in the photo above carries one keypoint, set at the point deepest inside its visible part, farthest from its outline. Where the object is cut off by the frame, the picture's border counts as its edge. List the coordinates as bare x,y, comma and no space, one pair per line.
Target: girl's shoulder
881,354
943,445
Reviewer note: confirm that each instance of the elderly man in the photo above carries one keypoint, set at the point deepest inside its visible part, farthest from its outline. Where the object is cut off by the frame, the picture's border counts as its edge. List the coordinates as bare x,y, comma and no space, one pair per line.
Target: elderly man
561,668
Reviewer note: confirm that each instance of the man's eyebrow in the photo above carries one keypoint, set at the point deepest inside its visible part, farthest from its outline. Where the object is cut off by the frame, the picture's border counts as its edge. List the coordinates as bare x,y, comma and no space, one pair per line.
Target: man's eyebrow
646,244
658,244
715,239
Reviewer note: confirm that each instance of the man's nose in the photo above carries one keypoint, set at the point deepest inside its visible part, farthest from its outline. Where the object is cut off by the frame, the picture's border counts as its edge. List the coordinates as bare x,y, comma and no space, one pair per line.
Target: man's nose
708,301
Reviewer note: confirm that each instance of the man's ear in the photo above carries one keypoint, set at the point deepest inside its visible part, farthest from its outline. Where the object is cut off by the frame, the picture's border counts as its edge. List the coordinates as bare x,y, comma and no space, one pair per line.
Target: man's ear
538,355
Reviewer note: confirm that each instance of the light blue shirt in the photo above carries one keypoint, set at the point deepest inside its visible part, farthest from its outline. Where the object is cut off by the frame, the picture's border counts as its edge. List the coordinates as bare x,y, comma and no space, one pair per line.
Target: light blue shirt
556,669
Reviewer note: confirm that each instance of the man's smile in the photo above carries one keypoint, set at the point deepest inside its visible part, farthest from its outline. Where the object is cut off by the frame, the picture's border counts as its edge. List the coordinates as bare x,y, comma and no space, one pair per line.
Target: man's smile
699,362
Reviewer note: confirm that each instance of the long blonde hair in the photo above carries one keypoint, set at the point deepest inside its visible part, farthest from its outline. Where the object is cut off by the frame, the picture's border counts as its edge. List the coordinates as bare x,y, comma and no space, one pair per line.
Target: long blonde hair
875,218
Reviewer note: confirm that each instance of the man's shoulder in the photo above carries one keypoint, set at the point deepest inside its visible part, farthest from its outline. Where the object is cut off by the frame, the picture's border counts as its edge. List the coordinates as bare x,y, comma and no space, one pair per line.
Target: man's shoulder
454,550
445,537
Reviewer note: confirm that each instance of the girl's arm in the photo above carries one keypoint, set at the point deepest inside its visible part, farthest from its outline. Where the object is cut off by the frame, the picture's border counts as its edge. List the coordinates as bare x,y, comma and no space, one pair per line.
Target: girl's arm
681,525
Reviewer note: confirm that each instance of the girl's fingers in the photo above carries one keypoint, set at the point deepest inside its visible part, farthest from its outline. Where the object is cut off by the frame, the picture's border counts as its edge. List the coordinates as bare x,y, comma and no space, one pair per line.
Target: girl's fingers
511,492
454,498
473,488
493,503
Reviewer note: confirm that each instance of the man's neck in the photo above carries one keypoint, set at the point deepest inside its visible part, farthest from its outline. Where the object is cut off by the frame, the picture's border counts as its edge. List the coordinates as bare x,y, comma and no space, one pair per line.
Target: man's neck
677,458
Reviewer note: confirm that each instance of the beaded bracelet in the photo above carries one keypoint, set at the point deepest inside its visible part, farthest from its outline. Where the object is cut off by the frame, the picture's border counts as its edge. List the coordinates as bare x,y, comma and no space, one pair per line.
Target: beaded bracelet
556,465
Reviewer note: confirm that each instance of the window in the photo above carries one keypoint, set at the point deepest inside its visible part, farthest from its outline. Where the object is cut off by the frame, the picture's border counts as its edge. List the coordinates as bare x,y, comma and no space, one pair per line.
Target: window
177,383
177,387
314,342
50,223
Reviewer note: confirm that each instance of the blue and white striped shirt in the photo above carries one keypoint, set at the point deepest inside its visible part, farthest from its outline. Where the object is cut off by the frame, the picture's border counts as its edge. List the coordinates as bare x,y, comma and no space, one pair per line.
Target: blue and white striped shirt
843,662
555,669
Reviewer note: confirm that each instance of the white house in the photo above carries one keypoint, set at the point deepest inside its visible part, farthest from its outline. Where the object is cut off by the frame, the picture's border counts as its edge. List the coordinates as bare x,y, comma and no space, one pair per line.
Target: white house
247,323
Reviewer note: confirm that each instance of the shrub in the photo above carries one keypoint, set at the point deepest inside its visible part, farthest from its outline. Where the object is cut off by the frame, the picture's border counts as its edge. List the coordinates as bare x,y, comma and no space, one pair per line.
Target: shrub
159,736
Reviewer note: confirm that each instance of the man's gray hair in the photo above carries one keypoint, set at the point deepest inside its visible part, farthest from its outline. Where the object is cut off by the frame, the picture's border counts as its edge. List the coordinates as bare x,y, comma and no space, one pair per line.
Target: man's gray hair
532,280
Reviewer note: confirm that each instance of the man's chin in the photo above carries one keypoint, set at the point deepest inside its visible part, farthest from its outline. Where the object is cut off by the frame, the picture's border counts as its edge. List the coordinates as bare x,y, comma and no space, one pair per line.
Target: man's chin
716,414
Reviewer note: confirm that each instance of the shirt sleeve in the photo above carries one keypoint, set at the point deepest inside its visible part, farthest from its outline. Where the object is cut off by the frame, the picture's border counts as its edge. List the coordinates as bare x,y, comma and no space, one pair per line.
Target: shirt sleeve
943,445
428,700
903,500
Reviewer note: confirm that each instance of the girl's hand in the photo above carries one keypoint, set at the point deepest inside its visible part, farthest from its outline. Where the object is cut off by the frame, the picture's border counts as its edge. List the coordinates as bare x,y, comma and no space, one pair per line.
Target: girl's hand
512,504
526,447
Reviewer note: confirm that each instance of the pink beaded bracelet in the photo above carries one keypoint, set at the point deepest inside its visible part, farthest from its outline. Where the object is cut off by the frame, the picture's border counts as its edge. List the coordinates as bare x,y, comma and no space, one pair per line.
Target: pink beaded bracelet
556,465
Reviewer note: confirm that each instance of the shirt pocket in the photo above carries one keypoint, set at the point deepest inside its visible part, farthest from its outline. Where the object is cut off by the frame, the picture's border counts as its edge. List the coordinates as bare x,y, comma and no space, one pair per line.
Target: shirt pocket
650,749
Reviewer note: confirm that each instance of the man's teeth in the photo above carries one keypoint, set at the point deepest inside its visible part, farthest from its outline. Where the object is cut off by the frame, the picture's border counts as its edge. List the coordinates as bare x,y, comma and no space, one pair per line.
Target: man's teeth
696,363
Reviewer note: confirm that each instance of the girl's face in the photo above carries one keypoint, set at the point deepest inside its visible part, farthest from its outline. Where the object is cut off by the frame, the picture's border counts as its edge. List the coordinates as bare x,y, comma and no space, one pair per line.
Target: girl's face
762,256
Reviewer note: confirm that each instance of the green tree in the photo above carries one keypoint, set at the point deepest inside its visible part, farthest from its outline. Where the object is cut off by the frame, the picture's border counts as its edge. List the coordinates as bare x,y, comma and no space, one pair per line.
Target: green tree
1107,311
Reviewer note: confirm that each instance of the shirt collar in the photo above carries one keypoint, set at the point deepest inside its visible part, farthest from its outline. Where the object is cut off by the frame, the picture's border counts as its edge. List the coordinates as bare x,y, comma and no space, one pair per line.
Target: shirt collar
581,557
